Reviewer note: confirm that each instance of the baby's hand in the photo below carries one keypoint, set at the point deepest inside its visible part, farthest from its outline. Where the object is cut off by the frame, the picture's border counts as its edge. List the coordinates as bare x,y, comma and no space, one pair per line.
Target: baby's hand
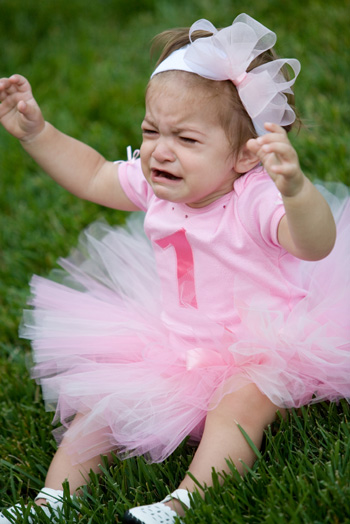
279,158
19,113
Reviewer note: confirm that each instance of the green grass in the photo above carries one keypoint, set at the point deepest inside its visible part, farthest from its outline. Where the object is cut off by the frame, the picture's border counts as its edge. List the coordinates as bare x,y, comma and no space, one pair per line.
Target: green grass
88,64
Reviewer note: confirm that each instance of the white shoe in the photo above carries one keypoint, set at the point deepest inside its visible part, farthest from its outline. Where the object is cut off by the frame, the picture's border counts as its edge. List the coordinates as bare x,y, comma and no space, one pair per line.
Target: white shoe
157,513
54,498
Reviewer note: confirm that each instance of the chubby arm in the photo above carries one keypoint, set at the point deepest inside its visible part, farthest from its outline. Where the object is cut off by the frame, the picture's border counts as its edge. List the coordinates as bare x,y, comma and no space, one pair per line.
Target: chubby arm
74,165
307,230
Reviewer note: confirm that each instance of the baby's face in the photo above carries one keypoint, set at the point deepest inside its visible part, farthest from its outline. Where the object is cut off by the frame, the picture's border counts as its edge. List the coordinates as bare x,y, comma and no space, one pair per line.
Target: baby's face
185,154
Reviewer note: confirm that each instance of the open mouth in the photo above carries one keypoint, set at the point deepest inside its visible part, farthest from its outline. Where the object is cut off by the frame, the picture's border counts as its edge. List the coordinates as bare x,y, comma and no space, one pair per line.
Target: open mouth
157,174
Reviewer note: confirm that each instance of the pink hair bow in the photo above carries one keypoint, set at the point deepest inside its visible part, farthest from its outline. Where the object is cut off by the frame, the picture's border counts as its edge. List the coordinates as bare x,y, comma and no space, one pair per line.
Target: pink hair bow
227,54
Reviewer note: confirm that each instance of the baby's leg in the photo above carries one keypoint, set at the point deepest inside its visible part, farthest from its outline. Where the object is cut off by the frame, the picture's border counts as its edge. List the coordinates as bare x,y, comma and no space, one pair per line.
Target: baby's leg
222,438
62,469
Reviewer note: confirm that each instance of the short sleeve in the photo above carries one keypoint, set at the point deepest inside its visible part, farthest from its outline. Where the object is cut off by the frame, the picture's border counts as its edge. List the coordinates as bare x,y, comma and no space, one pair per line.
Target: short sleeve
260,207
134,184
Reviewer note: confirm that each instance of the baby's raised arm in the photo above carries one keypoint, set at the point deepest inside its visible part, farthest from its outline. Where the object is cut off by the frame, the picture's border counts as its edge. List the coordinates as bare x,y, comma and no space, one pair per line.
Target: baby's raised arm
308,229
74,165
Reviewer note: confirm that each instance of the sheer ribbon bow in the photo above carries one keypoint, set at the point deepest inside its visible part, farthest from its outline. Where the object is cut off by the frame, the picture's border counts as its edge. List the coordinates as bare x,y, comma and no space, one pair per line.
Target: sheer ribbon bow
227,54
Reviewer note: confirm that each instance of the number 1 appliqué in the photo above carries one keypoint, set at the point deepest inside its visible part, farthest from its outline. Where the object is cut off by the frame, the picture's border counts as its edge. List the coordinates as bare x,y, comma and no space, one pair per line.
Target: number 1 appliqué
185,266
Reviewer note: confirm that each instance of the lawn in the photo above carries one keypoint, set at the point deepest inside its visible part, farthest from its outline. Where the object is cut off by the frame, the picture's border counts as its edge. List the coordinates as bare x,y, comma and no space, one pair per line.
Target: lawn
88,63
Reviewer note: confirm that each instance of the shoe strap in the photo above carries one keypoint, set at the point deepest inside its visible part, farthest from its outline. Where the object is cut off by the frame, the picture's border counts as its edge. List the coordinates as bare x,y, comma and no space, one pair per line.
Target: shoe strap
180,494
51,495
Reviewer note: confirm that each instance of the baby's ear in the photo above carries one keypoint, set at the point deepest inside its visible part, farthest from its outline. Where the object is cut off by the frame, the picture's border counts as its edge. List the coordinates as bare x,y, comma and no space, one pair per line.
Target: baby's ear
245,160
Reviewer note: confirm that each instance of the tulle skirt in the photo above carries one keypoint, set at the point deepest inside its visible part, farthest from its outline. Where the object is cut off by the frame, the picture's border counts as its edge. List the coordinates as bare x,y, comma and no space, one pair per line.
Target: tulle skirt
101,350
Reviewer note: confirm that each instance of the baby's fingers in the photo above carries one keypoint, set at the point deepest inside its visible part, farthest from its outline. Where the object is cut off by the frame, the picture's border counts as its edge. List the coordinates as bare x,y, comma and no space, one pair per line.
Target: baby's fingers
274,128
16,84
276,147
4,86
281,159
284,169
27,110
283,150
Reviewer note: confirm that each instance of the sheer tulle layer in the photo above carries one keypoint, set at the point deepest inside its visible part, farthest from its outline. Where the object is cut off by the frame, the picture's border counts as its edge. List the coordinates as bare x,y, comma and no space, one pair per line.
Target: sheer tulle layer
101,349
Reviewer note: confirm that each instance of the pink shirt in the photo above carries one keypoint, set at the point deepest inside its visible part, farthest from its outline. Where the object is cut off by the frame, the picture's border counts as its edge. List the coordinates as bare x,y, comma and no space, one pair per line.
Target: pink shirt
222,258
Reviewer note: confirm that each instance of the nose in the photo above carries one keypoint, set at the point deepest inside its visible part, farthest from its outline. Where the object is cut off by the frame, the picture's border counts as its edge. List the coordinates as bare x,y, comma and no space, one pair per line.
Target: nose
163,152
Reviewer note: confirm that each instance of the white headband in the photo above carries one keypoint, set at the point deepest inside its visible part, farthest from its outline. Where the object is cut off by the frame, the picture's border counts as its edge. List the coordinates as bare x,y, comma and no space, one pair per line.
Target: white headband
226,56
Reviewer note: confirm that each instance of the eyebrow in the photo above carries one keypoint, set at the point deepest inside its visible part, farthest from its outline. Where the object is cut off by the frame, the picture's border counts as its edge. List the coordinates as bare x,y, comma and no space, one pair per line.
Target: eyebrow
181,130
148,121
177,130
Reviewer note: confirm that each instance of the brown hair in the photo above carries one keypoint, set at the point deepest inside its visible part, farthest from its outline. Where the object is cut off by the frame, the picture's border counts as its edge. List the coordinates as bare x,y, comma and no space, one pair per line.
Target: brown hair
238,130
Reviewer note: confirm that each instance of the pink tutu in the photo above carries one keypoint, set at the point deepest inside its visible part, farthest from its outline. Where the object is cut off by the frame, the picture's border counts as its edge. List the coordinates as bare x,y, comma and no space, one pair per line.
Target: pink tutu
100,348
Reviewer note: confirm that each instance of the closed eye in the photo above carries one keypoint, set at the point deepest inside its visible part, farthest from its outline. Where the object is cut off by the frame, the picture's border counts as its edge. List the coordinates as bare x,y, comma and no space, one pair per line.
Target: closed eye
188,140
147,131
